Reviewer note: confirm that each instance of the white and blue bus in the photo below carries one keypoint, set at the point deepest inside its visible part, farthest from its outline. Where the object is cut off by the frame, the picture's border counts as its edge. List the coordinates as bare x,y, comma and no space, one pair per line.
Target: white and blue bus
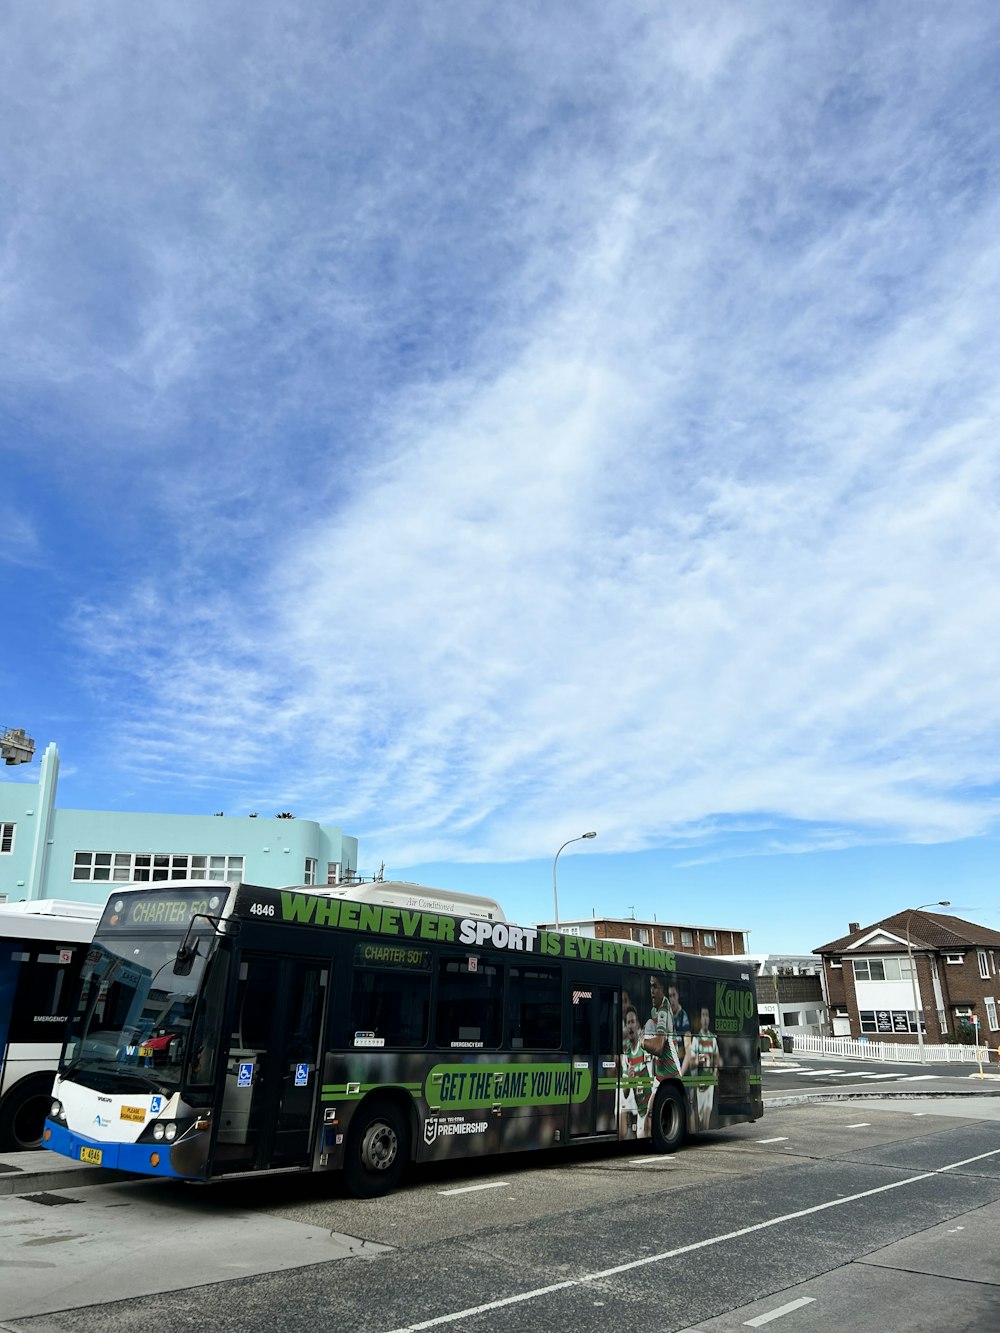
230,1030
42,948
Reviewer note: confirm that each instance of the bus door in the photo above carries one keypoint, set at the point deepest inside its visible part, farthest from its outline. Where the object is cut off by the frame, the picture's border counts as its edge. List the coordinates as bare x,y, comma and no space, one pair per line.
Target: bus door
274,1058
594,1063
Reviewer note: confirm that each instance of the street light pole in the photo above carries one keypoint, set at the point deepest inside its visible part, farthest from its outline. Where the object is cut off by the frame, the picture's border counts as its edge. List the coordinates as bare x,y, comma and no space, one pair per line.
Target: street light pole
945,902
555,896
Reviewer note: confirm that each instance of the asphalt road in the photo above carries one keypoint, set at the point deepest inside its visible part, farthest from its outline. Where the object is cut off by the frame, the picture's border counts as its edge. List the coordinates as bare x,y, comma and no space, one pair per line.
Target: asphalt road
876,1214
803,1073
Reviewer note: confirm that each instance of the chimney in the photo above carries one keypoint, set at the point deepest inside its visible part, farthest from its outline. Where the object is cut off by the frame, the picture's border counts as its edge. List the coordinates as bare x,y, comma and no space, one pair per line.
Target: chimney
853,927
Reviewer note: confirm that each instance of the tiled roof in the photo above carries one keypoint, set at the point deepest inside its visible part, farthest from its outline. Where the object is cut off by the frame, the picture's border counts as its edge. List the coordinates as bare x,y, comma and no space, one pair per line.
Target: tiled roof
928,930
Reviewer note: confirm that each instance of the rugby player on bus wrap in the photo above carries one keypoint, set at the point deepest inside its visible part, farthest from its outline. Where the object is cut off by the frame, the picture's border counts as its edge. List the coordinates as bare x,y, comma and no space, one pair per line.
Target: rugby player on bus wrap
633,1102
705,1062
681,1022
659,1040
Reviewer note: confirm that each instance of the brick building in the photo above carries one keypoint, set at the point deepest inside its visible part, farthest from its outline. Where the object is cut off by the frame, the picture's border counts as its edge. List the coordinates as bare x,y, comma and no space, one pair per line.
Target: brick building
870,984
713,941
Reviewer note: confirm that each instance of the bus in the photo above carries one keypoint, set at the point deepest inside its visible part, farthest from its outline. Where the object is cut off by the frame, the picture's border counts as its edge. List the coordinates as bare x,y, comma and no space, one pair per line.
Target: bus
228,1030
42,948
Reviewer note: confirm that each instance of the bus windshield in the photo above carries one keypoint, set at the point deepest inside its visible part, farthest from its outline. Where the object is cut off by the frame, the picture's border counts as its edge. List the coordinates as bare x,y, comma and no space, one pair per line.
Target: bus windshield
134,1012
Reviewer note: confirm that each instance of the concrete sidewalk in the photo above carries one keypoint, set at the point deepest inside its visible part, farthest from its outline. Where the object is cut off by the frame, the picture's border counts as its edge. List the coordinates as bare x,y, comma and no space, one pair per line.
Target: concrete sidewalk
38,1172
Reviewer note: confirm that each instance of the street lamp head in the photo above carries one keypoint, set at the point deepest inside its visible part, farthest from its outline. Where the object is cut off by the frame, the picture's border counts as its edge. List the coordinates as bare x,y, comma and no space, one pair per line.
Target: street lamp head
588,835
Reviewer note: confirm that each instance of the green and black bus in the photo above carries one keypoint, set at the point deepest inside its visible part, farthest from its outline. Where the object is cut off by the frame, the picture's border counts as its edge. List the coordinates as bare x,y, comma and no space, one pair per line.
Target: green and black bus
226,1030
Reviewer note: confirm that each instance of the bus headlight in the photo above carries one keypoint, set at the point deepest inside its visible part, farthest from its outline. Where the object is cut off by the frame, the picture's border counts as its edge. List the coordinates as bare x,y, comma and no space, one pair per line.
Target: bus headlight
56,1112
170,1133
158,1131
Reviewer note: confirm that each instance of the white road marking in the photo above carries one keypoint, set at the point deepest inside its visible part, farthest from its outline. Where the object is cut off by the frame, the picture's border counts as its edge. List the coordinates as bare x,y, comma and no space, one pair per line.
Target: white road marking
705,1244
783,1139
862,1124
470,1189
781,1310
916,1078
877,1076
817,1073
655,1163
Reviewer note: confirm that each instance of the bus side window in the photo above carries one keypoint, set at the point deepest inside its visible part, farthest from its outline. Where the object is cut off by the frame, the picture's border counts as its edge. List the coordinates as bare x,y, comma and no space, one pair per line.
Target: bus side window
42,986
391,1005
535,1009
469,1004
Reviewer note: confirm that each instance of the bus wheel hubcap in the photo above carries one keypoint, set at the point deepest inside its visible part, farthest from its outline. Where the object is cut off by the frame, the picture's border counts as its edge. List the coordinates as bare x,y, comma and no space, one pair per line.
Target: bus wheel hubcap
378,1149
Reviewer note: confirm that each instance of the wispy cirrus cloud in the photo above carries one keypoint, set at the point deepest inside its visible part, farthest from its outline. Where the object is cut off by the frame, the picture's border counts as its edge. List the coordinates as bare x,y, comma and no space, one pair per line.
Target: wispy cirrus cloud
530,439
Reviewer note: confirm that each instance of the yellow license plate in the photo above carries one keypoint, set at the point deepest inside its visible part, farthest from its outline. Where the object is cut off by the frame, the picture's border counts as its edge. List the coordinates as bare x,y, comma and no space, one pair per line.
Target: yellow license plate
92,1155
133,1113
145,1052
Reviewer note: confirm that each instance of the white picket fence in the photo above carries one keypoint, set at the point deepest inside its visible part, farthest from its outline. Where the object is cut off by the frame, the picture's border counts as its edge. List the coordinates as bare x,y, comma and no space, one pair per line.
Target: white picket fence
892,1050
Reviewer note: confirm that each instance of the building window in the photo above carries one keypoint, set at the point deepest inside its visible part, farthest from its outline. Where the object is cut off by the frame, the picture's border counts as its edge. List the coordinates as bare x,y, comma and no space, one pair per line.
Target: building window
885,1022
643,935
687,939
144,867
835,962
708,939
7,837
954,958
668,937
984,965
991,1014
310,874
333,872
882,969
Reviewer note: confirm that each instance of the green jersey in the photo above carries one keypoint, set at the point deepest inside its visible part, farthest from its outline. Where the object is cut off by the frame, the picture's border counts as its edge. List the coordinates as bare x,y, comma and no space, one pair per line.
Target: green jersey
636,1072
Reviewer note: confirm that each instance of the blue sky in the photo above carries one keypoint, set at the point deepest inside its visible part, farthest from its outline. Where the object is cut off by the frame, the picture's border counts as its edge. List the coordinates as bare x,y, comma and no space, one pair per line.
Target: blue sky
476,424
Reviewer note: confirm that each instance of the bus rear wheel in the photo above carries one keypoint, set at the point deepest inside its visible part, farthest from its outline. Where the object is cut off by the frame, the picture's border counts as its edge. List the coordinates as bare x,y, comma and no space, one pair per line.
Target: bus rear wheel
378,1149
669,1124
22,1114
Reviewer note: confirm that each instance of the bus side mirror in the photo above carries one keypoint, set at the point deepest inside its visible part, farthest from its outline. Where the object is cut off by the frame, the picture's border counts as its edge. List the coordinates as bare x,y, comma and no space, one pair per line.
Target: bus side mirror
184,962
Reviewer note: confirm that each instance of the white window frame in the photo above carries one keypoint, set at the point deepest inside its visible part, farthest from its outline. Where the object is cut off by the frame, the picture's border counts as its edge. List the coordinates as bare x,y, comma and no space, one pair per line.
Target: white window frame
7,832
835,962
954,959
91,867
708,939
889,964
334,870
991,1013
311,866
643,935
668,937
687,939
984,964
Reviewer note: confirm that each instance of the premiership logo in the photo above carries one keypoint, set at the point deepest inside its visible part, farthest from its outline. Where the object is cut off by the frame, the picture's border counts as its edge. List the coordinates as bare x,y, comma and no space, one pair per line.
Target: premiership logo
435,1128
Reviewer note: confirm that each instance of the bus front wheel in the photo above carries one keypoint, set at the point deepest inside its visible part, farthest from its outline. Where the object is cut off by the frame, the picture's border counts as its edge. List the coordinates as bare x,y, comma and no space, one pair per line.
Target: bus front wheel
669,1118
378,1149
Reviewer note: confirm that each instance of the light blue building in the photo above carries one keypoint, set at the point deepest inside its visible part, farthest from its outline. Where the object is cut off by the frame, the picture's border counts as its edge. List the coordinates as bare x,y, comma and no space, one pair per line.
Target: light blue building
78,854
